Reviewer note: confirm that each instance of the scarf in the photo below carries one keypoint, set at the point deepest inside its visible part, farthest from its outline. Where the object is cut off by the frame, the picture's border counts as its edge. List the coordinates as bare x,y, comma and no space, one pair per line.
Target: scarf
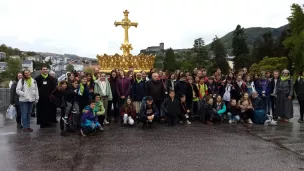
285,78
302,77
138,80
44,75
81,90
29,82
94,78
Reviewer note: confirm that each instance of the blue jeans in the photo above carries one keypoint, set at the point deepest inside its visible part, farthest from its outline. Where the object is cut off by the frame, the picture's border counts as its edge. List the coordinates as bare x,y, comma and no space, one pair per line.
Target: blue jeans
266,101
236,117
26,111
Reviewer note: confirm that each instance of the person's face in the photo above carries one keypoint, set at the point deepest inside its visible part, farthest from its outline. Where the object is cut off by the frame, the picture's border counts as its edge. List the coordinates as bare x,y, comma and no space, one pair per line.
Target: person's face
172,94
197,79
102,77
71,77
183,99
190,81
172,77
202,81
210,81
97,98
77,78
199,73
138,76
268,74
155,76
113,74
239,78
254,95
245,104
276,75
210,101
129,101
27,74
248,78
219,99
241,72
64,86
84,81
96,70
187,74
246,96
245,70
285,74
75,84
195,70
52,75
131,69
92,105
144,75
230,75
164,76
81,73
204,73
233,103
89,78
256,76
122,74
19,76
44,70
219,71
149,102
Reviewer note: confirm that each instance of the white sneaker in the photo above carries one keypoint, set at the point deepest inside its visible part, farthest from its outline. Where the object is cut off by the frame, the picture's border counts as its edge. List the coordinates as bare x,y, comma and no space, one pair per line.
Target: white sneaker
188,122
250,121
106,122
181,122
230,121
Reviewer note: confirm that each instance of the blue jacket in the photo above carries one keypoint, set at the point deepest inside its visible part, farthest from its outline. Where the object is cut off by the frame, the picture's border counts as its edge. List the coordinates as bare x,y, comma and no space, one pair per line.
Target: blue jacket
88,116
257,103
220,108
138,90
263,86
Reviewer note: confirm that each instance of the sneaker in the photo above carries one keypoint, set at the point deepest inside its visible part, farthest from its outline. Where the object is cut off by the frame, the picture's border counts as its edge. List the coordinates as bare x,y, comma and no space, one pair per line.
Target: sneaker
101,129
188,122
27,130
65,120
301,120
82,133
230,121
19,126
209,123
106,122
250,121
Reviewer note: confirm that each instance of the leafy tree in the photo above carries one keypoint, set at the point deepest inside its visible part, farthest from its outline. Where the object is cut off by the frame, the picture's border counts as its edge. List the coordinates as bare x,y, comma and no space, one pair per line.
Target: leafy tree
295,42
201,58
219,52
37,65
240,49
13,67
265,48
69,68
159,59
169,60
269,64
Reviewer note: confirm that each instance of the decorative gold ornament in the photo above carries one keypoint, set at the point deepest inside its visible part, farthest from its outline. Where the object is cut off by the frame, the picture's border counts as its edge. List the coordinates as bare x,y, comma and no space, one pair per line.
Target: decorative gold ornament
127,60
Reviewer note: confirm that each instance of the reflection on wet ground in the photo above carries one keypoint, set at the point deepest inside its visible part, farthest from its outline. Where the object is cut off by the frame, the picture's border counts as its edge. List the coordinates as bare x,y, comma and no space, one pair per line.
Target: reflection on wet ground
185,147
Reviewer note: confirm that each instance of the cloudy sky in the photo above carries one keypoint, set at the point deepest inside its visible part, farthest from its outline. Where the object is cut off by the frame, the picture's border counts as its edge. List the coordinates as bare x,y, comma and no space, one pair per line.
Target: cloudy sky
86,28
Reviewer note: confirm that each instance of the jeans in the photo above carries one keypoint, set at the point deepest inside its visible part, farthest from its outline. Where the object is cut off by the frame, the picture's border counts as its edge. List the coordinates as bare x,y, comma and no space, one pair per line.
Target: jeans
231,117
266,101
26,111
18,110
127,119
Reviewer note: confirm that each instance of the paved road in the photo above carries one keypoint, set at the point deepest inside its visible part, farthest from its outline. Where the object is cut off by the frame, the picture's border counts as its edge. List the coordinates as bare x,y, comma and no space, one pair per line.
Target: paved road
185,148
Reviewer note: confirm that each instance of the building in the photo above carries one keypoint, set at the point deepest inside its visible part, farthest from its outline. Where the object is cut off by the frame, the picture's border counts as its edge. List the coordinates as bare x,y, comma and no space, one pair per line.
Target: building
154,49
15,57
33,58
230,61
2,55
78,67
26,64
3,66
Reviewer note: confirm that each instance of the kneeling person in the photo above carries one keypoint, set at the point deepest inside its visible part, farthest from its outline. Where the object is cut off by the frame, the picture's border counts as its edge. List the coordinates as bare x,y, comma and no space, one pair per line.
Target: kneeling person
128,112
89,120
148,112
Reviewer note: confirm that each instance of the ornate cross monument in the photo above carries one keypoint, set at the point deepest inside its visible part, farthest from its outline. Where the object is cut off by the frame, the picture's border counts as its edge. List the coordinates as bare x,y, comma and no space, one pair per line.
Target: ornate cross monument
126,24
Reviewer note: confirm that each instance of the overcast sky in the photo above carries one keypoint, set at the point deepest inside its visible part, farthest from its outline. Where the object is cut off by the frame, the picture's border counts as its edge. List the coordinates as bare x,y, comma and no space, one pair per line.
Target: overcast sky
86,28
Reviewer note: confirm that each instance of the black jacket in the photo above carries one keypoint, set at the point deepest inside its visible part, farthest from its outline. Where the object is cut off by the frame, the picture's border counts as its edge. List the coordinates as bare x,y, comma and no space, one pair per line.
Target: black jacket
299,88
155,89
14,97
212,89
45,86
170,107
189,94
181,87
112,82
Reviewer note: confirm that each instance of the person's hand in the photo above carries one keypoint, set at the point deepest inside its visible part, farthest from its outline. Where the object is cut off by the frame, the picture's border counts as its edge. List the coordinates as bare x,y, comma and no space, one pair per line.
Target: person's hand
289,97
152,116
149,117
123,97
188,111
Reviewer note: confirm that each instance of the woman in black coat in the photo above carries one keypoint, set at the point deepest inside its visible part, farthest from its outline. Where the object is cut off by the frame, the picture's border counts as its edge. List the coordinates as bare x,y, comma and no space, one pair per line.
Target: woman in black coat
14,99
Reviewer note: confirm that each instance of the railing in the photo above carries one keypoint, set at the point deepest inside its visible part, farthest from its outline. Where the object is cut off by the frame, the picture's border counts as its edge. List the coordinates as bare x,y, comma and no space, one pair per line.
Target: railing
4,98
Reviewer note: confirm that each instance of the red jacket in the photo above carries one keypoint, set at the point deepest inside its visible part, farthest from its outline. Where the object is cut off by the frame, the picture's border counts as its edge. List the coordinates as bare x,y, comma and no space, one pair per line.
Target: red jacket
131,112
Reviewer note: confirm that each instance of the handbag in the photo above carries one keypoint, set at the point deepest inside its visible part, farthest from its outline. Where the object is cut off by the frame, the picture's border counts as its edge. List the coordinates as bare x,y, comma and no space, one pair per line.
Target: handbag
11,112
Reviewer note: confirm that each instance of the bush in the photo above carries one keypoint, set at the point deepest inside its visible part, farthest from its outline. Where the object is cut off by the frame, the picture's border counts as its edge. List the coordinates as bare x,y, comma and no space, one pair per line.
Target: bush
269,64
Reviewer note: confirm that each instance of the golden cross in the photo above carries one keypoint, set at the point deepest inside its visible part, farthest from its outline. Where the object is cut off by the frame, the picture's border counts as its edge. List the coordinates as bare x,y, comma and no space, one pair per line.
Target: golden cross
126,24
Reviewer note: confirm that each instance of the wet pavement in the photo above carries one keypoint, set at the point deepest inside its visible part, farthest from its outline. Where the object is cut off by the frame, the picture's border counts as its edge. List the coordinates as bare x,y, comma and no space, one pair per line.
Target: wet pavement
182,148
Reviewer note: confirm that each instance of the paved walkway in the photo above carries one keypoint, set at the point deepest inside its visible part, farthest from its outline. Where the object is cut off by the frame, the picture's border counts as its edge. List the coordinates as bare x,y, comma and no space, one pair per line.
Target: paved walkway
185,147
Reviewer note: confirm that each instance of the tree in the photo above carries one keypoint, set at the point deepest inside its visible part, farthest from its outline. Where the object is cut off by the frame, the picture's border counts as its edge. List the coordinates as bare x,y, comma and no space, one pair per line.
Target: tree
240,49
13,67
159,60
269,64
169,60
219,52
69,68
37,65
295,41
201,58
265,48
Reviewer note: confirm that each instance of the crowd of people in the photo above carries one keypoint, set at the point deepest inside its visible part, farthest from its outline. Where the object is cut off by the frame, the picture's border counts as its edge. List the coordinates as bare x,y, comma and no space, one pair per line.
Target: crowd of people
97,99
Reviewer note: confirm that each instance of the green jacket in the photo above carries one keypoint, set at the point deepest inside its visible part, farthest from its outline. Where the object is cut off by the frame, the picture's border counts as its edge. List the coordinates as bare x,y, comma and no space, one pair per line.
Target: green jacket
98,86
99,108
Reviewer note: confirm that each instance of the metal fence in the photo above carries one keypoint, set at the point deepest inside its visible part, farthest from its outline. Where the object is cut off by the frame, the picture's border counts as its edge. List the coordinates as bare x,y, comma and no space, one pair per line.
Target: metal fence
4,97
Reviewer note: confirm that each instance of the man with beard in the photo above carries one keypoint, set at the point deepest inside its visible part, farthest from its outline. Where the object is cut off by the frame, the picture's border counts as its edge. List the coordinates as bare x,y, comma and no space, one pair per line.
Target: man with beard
46,85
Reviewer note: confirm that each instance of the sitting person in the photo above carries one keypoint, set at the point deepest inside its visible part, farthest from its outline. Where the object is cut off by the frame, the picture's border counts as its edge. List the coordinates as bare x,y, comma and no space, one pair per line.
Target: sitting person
210,113
259,111
233,111
171,108
89,120
184,111
219,106
148,112
246,112
128,112
100,110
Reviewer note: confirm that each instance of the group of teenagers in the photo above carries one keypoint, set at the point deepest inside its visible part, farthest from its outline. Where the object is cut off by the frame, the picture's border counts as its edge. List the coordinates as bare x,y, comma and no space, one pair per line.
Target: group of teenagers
95,99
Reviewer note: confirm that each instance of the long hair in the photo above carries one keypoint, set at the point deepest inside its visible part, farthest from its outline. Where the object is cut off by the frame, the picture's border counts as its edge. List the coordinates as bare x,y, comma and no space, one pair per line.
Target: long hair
127,106
16,78
111,77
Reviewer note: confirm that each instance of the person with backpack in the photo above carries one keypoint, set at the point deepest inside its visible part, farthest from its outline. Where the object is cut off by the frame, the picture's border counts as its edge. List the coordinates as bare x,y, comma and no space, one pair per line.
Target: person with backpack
259,115
299,89
284,93
14,99
28,92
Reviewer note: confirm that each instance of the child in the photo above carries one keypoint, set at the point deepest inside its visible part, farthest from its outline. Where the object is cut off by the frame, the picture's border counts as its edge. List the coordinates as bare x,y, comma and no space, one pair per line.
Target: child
211,114
220,106
184,111
100,110
246,112
128,112
171,108
233,111
89,120
148,111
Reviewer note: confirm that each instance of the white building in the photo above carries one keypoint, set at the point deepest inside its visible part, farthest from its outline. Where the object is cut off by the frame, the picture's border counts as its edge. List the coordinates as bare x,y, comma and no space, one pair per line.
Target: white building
15,57
78,67
3,66
2,55
26,64
33,58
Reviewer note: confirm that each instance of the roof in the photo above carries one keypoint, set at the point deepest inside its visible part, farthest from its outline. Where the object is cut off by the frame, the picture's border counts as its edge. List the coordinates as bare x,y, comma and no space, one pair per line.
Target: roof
3,63
27,62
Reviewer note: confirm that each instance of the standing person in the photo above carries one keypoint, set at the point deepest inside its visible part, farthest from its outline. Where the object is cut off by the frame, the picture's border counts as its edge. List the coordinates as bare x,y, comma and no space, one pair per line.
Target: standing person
181,87
138,91
299,89
28,92
83,93
171,108
171,82
202,88
156,90
192,98
264,88
123,88
103,88
212,88
249,84
46,85
284,92
240,87
165,83
96,74
273,90
90,84
144,76
14,99
54,108
114,102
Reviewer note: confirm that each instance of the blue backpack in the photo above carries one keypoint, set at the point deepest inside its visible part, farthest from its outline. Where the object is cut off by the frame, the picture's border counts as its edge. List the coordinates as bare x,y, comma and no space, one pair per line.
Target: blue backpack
259,116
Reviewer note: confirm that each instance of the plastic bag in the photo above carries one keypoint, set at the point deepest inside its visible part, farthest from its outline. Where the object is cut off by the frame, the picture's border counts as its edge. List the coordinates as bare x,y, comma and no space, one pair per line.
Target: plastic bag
11,112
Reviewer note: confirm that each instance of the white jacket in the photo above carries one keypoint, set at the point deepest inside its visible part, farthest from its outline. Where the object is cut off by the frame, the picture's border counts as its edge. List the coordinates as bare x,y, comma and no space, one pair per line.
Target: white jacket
27,94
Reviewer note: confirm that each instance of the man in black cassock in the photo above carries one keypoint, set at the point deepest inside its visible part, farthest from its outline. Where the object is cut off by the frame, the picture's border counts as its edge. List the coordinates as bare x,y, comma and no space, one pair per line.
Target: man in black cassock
46,85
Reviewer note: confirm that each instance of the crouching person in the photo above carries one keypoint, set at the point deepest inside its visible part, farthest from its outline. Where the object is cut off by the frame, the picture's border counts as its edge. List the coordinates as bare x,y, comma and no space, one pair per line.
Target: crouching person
220,107
171,108
233,112
148,112
89,120
128,112
184,111
100,111
211,114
